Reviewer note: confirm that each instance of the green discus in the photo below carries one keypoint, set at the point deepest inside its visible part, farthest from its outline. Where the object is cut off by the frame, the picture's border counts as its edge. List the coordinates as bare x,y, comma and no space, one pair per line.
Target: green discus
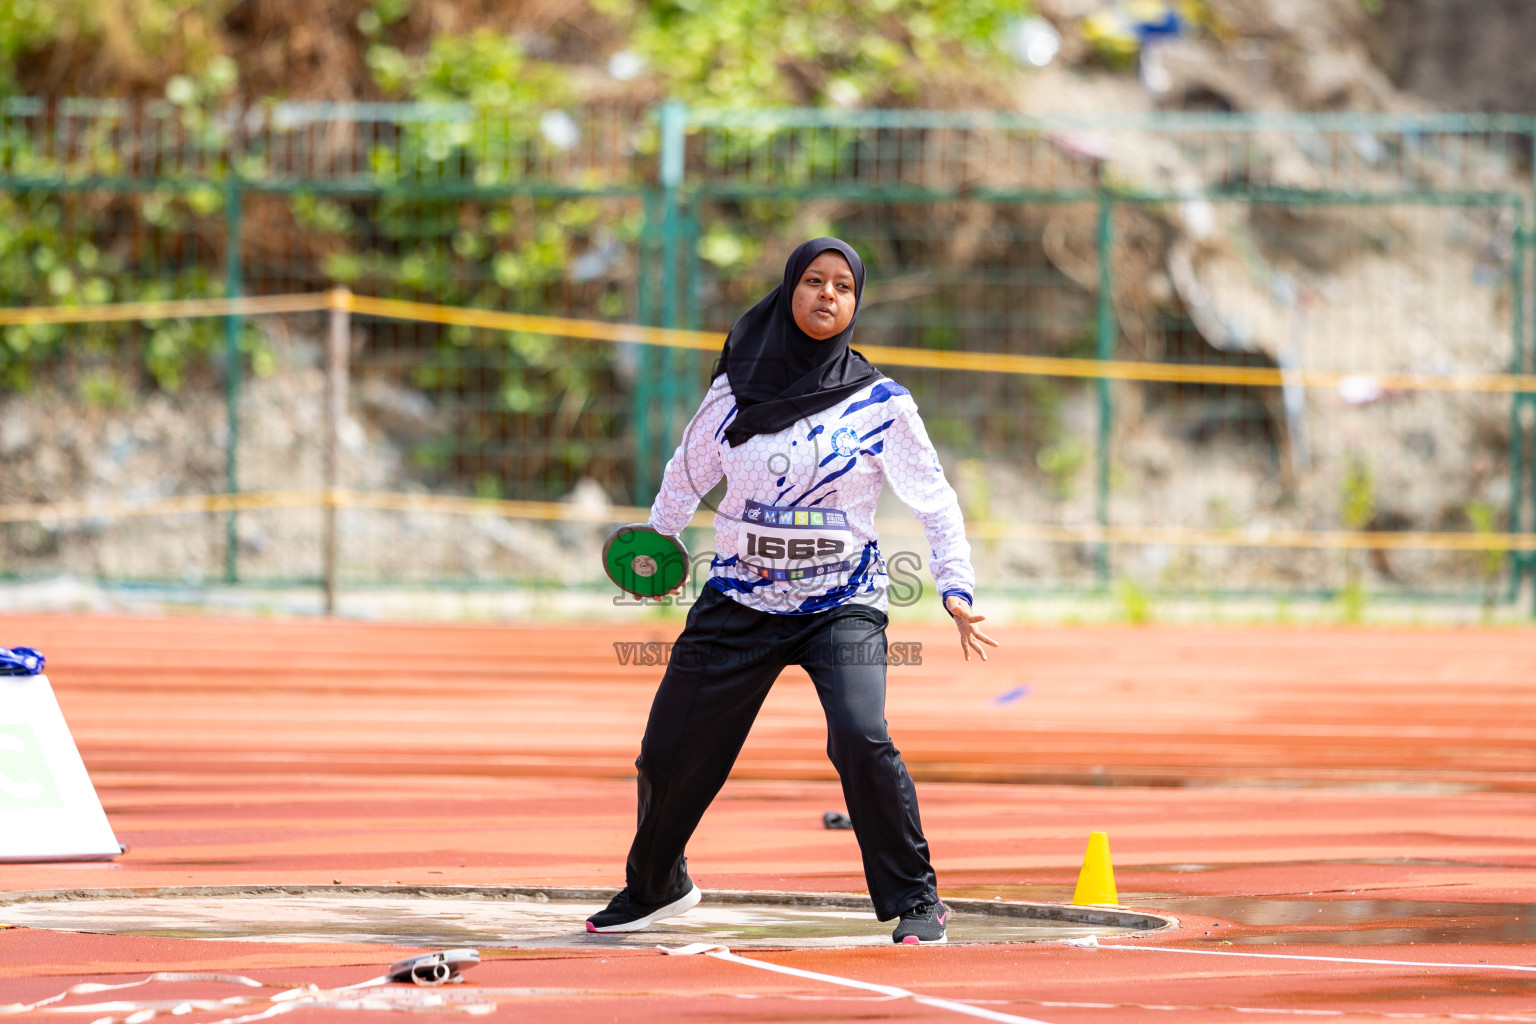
643,562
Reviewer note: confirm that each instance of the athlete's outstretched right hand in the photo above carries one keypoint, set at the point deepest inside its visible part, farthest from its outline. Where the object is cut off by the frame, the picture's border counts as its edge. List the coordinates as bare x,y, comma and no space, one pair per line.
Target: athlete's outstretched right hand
971,638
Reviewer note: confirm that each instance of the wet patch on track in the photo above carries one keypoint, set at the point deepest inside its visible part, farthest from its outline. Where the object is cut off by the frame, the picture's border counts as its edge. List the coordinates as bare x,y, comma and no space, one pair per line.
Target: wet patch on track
1363,922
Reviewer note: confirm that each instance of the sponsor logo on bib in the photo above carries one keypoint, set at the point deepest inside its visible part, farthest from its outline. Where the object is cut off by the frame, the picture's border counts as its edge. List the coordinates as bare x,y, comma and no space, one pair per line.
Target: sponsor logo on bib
793,543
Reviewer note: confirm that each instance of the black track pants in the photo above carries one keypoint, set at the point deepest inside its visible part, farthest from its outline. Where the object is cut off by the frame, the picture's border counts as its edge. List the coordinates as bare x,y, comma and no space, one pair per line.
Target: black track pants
720,671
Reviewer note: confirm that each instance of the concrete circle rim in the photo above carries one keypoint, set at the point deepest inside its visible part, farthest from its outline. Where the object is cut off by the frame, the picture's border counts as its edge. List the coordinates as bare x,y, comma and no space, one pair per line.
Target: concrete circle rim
1141,921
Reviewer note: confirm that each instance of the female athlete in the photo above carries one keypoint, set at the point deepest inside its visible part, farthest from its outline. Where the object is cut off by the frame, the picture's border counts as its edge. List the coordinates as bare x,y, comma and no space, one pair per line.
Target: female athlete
805,431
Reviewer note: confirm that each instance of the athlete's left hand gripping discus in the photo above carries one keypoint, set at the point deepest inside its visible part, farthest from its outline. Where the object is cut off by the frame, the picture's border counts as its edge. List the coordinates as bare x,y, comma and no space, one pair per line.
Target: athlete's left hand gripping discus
643,562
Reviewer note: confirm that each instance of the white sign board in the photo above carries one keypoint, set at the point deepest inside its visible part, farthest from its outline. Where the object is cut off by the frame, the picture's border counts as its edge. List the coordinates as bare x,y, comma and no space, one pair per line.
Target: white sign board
48,807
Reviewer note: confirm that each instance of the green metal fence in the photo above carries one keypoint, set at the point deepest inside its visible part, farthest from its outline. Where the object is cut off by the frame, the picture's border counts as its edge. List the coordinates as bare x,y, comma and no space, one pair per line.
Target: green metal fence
1100,236
1364,244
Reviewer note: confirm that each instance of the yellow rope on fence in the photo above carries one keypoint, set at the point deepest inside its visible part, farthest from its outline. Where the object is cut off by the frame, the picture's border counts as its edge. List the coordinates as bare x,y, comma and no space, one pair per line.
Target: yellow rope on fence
601,330
552,511
986,362
170,309
63,511
559,326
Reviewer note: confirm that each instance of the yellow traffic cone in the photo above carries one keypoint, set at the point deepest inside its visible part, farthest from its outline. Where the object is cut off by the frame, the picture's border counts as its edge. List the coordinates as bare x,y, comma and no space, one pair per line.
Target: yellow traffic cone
1096,881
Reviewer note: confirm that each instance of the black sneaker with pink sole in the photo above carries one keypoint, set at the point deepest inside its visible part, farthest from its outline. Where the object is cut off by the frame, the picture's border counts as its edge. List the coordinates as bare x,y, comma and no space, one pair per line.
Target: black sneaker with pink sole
922,924
624,913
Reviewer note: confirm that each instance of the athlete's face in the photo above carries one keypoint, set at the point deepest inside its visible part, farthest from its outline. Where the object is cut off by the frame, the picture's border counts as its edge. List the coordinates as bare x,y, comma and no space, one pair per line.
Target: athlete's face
823,302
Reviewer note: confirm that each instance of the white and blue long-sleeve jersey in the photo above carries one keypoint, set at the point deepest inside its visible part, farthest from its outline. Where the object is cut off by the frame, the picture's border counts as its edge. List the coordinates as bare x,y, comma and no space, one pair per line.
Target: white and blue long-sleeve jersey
795,532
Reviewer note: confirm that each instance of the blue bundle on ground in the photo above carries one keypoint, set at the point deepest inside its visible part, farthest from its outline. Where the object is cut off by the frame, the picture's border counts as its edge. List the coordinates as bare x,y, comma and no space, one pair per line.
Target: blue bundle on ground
21,661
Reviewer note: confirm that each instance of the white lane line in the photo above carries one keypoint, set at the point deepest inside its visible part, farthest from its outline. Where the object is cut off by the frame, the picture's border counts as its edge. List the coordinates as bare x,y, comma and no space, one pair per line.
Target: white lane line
890,991
365,995
91,987
1328,959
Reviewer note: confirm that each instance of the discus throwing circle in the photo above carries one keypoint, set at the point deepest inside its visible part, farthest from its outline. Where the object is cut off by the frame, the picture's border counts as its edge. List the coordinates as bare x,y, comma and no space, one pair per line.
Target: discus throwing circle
507,917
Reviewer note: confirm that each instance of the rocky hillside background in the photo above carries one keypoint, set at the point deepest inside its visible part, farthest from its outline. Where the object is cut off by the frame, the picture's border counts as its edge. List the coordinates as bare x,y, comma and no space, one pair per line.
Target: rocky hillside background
1367,459
1469,55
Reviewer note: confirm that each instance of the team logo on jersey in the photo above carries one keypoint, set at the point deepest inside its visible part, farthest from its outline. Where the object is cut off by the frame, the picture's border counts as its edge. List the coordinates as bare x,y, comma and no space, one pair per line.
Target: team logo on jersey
845,441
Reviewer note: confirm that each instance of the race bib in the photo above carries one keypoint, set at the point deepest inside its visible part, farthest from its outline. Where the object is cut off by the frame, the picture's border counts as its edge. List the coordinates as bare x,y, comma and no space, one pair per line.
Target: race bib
793,543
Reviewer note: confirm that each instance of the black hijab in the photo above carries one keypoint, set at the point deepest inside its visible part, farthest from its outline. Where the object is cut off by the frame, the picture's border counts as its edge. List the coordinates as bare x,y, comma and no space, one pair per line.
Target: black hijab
778,373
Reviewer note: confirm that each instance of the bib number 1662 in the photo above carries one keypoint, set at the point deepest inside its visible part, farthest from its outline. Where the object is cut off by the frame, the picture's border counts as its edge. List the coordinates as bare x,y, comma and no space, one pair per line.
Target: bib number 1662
799,547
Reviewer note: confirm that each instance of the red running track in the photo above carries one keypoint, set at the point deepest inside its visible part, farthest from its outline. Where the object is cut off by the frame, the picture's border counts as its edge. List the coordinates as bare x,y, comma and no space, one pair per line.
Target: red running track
1332,792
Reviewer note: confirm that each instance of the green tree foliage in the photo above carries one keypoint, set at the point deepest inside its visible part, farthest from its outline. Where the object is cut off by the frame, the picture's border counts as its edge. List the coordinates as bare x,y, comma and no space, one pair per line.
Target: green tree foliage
484,68
47,260
109,46
79,247
549,254
516,252
727,53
